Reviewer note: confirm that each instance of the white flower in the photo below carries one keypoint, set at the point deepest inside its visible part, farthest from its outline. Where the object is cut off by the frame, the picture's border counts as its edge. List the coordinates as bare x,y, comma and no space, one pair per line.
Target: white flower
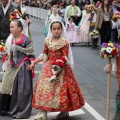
109,49
53,78
59,61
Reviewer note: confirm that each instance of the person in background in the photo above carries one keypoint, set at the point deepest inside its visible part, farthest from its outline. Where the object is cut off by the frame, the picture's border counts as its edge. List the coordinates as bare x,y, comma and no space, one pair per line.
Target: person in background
62,9
47,22
83,30
24,14
7,7
71,30
114,32
54,15
81,4
73,11
87,2
104,16
61,17
93,16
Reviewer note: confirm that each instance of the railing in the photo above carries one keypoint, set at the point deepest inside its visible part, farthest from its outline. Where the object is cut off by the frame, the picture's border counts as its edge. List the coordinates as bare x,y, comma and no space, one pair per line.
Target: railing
37,13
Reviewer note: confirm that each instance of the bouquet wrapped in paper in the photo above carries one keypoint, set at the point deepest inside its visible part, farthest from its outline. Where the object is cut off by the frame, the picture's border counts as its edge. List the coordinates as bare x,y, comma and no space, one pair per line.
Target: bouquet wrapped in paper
109,50
56,67
94,34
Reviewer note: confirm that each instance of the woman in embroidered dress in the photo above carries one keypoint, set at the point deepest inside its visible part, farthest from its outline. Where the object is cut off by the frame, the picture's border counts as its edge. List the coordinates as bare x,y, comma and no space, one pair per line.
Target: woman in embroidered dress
71,29
83,34
47,22
64,93
17,88
54,15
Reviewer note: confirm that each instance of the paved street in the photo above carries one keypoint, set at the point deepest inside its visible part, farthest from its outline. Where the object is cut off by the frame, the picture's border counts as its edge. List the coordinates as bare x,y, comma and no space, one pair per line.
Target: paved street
90,75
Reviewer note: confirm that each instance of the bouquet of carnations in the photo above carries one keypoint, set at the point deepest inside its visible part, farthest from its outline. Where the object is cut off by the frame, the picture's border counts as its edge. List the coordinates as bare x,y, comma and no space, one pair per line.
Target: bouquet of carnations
15,15
91,7
109,50
94,34
56,67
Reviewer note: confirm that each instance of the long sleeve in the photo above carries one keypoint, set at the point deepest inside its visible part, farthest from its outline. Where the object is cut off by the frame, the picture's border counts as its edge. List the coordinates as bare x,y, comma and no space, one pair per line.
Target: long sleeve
84,17
97,19
79,12
66,11
45,50
44,56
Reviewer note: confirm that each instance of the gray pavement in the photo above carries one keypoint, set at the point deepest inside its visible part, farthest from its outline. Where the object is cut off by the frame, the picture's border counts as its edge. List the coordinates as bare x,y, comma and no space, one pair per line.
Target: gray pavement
90,75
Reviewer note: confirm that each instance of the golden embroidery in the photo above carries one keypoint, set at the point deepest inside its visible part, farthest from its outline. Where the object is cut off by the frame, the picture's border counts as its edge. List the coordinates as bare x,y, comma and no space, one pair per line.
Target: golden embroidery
50,92
57,45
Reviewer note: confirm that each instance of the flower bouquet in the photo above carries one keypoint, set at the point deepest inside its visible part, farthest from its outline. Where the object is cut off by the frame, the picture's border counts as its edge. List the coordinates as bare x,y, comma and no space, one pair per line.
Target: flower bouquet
94,34
91,7
116,16
3,52
109,50
15,15
56,67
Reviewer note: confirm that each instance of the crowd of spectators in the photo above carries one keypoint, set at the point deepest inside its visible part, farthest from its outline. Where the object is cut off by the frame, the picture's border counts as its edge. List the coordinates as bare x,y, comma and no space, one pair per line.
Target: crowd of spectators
46,4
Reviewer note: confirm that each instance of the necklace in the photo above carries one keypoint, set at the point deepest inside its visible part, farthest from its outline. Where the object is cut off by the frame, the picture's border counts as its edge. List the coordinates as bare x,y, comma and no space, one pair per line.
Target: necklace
55,39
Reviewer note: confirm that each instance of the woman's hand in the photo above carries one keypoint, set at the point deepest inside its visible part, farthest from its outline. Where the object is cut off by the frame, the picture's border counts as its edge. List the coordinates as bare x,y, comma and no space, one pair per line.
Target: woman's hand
108,68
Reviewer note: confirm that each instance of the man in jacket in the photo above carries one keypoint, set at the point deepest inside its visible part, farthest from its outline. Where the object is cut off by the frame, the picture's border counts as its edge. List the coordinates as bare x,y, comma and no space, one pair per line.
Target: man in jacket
5,8
74,11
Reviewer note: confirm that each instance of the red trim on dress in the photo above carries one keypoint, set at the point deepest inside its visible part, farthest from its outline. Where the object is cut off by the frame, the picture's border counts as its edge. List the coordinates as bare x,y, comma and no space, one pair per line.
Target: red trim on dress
26,58
31,58
20,41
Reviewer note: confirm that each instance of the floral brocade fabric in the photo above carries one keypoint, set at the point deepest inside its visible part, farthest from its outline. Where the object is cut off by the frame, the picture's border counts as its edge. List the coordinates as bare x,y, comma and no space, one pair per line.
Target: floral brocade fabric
64,93
118,70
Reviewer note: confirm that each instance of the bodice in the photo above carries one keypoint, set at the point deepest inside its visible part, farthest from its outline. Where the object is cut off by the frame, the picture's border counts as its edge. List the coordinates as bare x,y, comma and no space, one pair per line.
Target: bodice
54,54
57,49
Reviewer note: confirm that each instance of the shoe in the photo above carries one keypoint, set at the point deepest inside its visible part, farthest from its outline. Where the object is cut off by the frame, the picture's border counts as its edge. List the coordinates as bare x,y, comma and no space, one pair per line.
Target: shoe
41,116
16,117
63,115
94,46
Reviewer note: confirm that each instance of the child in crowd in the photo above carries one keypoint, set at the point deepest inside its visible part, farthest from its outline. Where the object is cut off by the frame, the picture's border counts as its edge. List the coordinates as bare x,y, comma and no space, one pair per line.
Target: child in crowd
71,29
56,88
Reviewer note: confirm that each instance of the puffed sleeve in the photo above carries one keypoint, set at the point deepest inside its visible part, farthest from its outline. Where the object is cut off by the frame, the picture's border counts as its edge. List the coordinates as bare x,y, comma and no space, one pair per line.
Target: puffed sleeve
45,50
44,56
